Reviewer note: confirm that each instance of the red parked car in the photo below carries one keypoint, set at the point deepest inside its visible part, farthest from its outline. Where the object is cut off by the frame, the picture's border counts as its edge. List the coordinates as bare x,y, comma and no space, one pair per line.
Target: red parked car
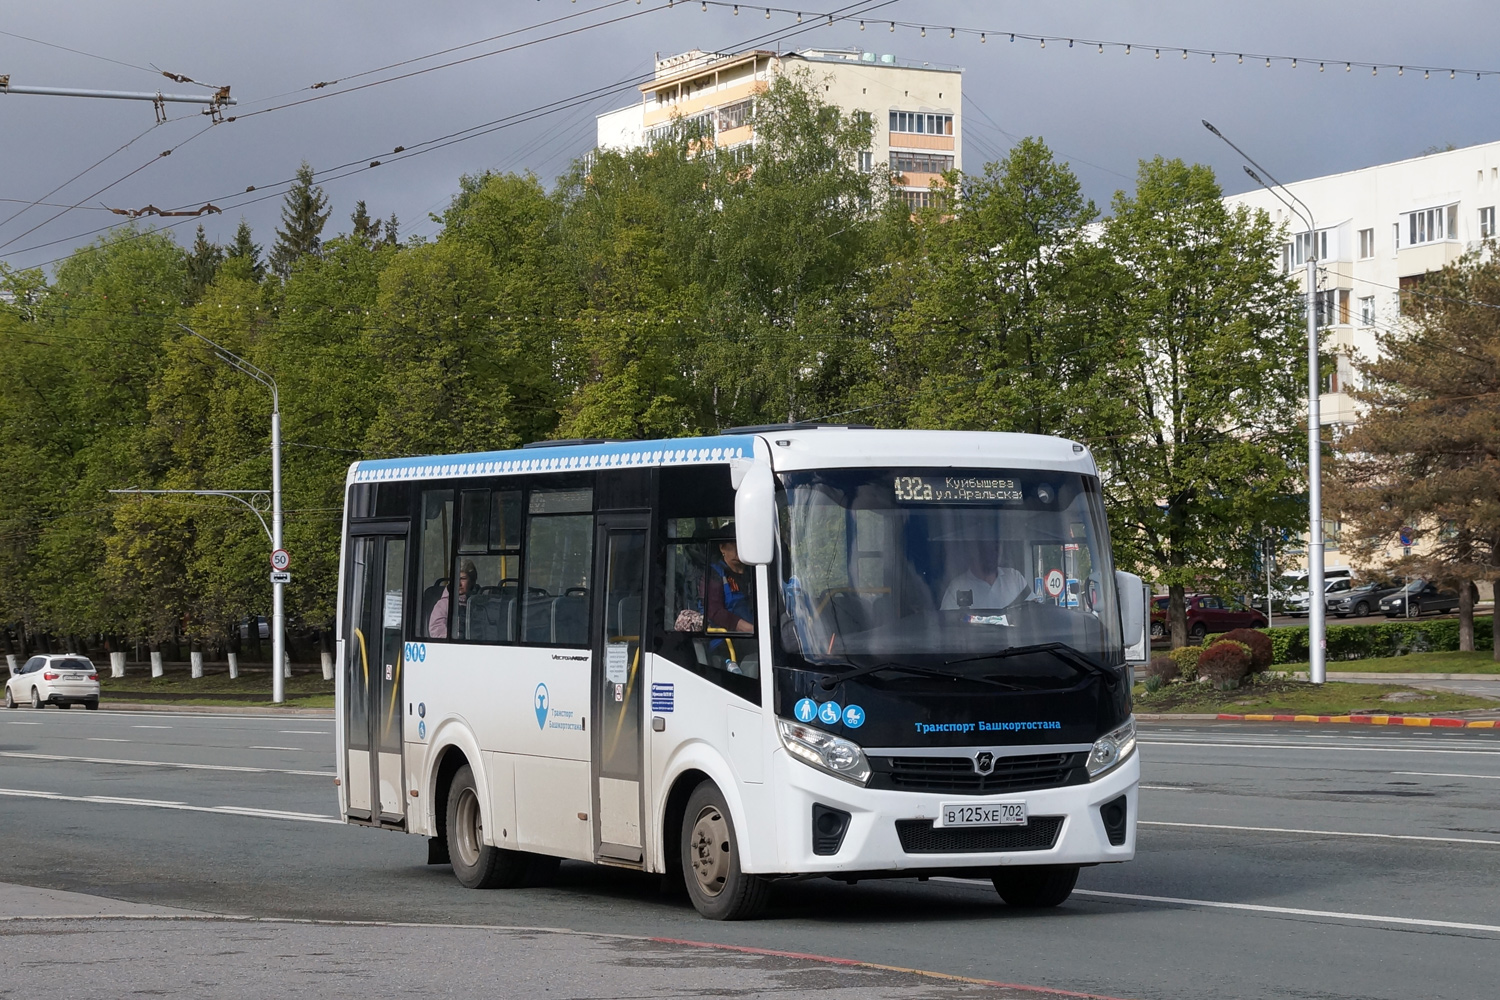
1206,615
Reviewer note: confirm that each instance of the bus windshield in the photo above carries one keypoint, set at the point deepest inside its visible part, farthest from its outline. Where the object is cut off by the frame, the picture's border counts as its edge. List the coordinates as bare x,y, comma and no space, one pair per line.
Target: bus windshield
932,567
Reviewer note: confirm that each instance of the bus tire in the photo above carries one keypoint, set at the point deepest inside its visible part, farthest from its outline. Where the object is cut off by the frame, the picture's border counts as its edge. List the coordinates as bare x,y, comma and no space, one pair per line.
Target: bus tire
477,865
1035,887
719,889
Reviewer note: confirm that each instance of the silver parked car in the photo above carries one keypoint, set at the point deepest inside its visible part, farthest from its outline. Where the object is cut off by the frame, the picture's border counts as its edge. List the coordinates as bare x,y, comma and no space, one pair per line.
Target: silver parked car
61,680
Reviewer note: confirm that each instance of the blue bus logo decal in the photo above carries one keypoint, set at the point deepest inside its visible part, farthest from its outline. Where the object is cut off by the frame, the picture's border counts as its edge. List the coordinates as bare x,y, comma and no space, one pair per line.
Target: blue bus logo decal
541,705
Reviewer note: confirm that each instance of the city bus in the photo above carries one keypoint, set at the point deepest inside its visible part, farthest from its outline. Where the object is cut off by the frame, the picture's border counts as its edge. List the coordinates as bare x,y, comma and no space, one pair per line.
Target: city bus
779,652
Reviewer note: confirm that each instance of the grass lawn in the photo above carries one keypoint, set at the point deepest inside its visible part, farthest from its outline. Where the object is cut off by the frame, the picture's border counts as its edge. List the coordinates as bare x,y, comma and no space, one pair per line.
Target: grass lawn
177,687
1479,662
1303,698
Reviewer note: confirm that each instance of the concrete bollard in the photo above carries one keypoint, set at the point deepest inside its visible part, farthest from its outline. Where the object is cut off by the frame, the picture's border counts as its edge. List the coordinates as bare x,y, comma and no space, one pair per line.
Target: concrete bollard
196,658
286,660
234,666
327,666
117,664
156,668
10,662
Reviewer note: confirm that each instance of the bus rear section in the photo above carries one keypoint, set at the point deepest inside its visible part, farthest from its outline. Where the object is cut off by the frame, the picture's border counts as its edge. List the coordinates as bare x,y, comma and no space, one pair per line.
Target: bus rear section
733,660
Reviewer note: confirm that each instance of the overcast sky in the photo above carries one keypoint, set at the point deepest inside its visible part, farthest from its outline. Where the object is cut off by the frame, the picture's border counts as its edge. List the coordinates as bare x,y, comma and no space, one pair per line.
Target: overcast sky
1103,113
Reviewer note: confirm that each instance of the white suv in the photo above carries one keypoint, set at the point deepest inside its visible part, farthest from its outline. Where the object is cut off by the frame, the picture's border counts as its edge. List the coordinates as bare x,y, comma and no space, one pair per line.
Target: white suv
61,680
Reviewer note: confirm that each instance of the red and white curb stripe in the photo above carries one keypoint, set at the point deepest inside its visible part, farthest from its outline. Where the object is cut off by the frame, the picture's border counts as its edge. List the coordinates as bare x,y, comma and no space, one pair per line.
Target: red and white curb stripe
1425,721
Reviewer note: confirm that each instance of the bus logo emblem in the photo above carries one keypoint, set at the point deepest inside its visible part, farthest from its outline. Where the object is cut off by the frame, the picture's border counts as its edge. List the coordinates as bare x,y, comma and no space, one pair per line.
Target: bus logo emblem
984,762
540,699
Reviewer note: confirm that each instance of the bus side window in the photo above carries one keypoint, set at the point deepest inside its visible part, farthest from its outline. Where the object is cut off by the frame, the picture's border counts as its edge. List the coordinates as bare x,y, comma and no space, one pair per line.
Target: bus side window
432,577
488,568
559,553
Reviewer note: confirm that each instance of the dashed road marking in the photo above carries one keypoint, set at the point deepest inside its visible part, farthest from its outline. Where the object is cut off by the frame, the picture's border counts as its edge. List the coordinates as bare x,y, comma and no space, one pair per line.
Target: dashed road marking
1322,833
108,800
161,763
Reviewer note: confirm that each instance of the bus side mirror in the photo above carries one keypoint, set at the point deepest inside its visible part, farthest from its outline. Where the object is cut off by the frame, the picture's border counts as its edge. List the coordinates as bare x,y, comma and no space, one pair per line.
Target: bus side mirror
1137,638
755,515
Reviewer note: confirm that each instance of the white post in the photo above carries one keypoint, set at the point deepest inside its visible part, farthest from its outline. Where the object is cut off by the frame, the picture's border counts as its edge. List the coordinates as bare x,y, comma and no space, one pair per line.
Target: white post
196,658
278,614
286,671
327,665
1317,638
117,664
10,662
156,668
234,666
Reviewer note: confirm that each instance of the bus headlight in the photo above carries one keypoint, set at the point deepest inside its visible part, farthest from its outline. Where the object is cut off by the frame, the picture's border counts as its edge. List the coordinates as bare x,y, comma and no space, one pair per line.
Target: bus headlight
1111,750
824,751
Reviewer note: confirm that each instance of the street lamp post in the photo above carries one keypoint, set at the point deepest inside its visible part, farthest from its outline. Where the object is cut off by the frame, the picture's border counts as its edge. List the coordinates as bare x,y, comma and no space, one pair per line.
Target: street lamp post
278,603
1317,609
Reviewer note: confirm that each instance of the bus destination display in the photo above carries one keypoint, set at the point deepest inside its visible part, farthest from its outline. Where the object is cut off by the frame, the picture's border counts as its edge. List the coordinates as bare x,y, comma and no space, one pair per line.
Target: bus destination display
957,489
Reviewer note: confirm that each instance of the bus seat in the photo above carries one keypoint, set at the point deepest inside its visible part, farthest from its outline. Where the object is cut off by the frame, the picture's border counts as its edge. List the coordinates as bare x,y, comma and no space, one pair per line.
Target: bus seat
536,618
570,620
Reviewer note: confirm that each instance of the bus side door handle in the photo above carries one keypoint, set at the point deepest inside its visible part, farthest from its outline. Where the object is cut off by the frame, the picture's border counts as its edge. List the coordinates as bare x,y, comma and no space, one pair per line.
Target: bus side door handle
658,724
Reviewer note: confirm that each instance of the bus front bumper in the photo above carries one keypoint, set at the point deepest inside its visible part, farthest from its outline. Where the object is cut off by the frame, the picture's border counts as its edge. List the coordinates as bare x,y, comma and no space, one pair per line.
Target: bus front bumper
873,843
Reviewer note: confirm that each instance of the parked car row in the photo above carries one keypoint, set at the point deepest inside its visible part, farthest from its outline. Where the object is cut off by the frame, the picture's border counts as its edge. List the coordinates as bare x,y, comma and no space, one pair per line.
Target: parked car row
61,680
1206,614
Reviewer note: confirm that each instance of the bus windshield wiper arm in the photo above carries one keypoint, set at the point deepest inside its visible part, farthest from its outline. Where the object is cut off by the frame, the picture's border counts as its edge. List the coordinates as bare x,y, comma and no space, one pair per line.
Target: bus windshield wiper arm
1059,650
830,680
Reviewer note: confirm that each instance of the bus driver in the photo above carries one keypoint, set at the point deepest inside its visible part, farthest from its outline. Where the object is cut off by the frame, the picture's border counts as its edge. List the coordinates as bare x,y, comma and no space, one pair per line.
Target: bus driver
986,582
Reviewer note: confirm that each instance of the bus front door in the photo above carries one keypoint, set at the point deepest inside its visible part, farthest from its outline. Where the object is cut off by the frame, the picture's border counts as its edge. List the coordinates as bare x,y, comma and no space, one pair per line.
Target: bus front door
372,679
618,678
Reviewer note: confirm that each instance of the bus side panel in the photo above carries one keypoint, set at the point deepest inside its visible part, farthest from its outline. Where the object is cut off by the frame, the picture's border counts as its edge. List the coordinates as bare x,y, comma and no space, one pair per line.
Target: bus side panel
528,707
695,729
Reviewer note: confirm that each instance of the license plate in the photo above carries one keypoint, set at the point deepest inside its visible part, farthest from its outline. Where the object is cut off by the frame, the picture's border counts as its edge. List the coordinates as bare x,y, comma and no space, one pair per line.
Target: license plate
987,814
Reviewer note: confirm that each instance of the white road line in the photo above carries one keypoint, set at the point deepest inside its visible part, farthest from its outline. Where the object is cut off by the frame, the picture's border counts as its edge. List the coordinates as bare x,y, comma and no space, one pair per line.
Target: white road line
161,763
1442,774
1322,833
297,749
1311,746
18,723
182,807
303,732
1166,788
1294,911
150,727
106,739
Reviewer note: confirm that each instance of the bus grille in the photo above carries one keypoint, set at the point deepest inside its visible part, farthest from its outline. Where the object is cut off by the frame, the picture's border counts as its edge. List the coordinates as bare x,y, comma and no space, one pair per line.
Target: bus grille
918,836
956,774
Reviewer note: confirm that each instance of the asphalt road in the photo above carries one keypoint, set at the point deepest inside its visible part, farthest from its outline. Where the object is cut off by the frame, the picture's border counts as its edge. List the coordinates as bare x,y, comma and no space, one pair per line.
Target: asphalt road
1298,862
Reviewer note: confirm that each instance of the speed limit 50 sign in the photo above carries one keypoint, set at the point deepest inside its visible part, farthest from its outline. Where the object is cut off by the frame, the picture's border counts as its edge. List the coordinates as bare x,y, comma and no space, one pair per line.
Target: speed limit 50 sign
281,560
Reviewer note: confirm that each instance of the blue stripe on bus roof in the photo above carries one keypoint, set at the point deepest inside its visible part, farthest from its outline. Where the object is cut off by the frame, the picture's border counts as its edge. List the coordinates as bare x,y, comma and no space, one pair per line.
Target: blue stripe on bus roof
619,454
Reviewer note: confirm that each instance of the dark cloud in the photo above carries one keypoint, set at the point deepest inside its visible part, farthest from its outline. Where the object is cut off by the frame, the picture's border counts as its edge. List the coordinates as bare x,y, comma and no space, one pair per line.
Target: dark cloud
1102,112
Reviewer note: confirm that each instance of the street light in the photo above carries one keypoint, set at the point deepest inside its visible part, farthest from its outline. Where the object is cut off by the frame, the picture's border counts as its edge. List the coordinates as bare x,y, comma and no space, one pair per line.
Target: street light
278,603
1317,610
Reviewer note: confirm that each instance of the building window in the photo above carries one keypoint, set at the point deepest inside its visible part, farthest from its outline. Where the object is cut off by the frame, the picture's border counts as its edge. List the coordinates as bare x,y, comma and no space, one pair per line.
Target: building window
734,116
1366,244
921,124
916,200
1410,284
1367,311
1432,225
1295,253
866,161
920,163
1487,222
1333,307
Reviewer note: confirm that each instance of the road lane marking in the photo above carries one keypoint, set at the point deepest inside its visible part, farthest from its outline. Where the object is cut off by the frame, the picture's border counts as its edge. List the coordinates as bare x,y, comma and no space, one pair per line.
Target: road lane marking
106,739
1321,833
1312,746
19,723
303,732
294,749
162,763
1294,911
107,800
1166,788
150,727
1441,774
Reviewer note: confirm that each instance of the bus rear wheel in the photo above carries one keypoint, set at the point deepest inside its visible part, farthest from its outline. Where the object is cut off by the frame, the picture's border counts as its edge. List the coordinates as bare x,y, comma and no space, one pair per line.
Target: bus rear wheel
719,889
1035,887
476,864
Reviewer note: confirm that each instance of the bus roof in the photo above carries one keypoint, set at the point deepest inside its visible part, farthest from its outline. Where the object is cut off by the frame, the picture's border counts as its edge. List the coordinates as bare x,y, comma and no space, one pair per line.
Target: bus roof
794,448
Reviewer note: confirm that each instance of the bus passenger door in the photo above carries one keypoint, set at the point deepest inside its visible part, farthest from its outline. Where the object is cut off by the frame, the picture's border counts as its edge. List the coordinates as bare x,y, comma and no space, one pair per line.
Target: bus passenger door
619,674
372,679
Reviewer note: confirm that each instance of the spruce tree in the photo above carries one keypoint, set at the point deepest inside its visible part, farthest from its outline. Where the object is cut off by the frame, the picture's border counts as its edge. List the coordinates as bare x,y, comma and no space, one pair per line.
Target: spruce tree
365,230
244,248
303,216
203,262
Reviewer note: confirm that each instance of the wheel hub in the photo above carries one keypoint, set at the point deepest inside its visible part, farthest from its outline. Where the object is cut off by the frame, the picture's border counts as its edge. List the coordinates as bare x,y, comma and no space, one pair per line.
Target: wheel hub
470,828
708,851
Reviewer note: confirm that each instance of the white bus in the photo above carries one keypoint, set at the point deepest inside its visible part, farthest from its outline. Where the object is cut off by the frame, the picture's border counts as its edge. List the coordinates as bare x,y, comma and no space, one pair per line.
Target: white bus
780,652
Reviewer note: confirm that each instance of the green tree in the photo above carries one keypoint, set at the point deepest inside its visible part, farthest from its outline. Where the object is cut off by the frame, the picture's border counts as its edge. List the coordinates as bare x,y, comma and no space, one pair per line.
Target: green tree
304,213
1199,439
245,252
203,262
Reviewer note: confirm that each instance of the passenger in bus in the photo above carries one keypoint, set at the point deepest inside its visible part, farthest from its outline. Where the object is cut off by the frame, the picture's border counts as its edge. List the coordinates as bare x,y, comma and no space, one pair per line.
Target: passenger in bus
437,622
987,582
730,601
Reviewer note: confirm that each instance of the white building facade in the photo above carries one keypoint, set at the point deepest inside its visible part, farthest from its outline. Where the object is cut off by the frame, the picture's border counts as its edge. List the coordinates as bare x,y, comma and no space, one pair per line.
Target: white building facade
916,108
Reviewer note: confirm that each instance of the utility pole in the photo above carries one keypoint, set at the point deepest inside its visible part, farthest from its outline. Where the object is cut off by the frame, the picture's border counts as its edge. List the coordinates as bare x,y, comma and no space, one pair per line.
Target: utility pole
278,576
218,97
1317,610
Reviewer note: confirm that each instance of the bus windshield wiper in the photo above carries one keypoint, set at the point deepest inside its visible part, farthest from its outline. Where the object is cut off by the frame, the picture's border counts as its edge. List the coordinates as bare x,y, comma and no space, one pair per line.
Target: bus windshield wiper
1059,650
830,680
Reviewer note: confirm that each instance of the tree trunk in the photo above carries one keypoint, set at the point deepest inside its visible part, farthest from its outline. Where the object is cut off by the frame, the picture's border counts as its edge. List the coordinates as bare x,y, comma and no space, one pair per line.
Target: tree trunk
1177,614
1466,595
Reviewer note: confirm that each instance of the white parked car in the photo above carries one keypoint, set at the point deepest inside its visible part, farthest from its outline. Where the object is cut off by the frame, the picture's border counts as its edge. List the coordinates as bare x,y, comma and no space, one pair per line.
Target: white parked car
60,680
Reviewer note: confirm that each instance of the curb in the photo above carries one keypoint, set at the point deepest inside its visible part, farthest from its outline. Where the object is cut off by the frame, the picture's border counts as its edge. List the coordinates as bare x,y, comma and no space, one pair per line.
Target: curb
1371,675
1425,721
135,706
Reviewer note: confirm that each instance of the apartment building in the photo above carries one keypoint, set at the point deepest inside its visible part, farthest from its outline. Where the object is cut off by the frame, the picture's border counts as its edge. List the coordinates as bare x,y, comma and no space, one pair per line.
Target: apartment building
1380,230
916,107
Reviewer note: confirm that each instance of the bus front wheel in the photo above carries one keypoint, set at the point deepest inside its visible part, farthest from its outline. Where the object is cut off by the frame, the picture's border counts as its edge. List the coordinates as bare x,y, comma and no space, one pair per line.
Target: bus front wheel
1036,886
720,890
476,864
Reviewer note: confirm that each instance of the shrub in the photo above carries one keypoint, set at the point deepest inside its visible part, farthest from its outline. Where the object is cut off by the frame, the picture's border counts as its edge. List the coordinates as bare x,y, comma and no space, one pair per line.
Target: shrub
1392,638
1262,655
1153,684
1186,658
1163,667
1225,663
